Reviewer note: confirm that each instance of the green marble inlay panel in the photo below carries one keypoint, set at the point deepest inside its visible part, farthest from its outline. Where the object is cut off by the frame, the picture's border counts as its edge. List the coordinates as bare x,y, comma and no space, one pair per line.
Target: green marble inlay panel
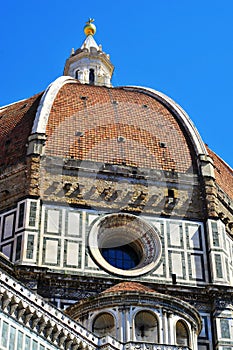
225,328
32,214
30,247
21,214
218,266
18,247
215,234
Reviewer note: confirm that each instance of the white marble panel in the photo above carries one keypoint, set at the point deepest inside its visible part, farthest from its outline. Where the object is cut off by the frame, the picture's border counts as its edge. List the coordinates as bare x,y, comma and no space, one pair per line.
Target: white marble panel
175,235
73,223
194,238
72,253
53,221
197,266
90,262
91,218
176,259
51,252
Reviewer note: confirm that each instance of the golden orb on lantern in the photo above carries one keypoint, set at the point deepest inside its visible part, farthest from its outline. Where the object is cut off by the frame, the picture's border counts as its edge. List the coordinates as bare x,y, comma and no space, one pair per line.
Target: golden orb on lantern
89,28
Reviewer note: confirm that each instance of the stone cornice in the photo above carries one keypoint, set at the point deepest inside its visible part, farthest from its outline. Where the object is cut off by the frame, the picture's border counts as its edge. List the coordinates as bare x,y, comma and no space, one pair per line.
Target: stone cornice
144,299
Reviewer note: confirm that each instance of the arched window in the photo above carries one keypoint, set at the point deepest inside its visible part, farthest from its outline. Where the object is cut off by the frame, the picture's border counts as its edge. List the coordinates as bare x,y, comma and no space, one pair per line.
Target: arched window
91,76
123,257
77,74
146,327
104,325
182,334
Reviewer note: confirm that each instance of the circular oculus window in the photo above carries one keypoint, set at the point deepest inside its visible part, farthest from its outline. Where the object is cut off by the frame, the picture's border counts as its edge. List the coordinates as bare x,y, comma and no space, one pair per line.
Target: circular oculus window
124,244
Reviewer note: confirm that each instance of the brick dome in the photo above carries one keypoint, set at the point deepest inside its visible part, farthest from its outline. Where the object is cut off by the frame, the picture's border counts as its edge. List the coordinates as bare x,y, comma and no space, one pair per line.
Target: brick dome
133,126
116,126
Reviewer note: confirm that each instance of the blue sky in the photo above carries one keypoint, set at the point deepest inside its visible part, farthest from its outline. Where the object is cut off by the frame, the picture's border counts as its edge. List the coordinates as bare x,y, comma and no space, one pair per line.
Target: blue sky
183,48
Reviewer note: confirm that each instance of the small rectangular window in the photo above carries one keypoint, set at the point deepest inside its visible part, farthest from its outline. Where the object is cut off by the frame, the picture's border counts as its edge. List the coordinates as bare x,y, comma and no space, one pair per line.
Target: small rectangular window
171,193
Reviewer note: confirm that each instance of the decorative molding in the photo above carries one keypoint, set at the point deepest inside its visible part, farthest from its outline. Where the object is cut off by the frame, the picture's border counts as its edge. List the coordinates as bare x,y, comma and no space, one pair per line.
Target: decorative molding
46,102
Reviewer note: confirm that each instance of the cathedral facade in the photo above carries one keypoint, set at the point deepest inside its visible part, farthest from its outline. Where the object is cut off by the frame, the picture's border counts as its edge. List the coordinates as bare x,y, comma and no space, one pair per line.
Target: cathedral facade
116,219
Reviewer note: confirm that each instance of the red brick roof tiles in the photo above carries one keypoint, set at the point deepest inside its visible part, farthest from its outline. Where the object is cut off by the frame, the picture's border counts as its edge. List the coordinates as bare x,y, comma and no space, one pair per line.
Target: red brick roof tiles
116,126
128,287
223,174
16,122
